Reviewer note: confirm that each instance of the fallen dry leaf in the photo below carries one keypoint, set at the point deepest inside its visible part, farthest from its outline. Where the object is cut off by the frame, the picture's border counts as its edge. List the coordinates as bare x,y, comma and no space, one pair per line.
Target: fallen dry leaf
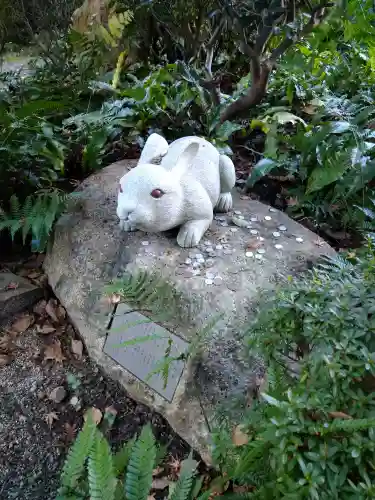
53,352
22,323
51,310
242,489
70,431
175,466
4,360
239,438
157,471
40,307
292,202
5,344
45,329
340,414
310,109
319,242
50,418
77,348
96,415
160,484
253,245
34,274
61,312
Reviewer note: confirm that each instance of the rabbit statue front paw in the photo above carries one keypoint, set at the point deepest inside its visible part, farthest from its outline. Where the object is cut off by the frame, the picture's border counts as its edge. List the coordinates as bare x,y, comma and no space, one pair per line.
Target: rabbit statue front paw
126,225
191,232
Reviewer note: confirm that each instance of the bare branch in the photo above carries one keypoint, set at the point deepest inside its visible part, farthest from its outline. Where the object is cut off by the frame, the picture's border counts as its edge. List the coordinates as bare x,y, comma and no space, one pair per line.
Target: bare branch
265,30
254,59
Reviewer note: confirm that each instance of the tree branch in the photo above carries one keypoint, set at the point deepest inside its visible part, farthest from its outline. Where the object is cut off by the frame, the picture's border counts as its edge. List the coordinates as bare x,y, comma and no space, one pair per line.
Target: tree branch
317,16
261,70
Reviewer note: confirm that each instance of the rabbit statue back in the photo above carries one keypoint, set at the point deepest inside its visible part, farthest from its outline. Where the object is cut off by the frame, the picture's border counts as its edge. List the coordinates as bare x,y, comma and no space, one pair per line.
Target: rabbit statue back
191,181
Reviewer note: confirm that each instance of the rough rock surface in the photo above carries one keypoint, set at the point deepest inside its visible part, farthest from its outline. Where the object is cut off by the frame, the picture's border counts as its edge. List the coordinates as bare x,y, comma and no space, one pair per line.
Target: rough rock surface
227,272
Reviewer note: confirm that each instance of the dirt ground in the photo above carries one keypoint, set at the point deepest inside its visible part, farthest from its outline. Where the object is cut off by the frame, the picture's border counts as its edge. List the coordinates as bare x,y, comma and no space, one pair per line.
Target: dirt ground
36,428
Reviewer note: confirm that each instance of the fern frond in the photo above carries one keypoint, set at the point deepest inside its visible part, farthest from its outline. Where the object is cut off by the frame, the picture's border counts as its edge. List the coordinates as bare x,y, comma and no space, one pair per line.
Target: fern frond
155,295
183,487
355,425
78,455
102,480
37,215
138,477
121,458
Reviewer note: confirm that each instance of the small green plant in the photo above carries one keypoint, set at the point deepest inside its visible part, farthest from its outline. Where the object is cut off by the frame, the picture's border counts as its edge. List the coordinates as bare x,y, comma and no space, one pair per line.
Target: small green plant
311,435
35,216
91,471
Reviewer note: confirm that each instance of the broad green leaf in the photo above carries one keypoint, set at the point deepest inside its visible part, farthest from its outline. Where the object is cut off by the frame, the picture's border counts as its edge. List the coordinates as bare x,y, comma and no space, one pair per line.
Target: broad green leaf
227,129
323,176
283,117
137,93
260,170
340,127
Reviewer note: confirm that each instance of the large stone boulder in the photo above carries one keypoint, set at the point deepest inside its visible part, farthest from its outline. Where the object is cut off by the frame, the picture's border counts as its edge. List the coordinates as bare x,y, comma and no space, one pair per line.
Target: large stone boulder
242,254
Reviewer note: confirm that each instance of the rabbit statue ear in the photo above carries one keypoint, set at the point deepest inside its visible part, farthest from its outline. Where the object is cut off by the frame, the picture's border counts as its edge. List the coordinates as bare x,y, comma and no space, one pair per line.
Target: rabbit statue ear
185,159
156,147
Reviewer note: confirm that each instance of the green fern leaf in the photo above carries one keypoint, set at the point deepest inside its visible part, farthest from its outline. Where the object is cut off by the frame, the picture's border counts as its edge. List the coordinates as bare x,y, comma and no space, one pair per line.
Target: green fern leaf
78,455
184,485
121,458
138,477
102,480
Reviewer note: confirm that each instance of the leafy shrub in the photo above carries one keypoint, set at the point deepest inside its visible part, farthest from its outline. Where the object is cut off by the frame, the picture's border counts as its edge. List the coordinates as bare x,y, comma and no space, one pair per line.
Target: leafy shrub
331,159
312,433
91,471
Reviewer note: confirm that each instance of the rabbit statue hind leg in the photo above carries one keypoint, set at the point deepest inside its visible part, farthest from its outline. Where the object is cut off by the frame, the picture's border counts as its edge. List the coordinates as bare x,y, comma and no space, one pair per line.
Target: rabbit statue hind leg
227,183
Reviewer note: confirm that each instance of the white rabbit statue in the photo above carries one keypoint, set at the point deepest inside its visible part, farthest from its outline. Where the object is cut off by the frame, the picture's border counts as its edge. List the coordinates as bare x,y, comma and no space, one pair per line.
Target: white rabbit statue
192,180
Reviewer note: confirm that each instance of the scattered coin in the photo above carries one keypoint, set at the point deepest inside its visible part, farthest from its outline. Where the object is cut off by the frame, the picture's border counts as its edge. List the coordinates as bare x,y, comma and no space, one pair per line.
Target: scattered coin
249,254
282,228
218,280
261,251
209,282
253,231
299,240
233,229
188,261
253,219
276,234
278,246
267,217
145,243
258,256
272,209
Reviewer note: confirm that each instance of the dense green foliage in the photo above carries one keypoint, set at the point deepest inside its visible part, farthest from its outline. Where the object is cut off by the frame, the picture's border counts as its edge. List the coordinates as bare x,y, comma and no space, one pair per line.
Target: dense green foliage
91,471
312,433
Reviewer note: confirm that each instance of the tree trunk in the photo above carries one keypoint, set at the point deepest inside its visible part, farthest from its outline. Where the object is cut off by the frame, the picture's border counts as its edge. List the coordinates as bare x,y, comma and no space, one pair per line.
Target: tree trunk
254,96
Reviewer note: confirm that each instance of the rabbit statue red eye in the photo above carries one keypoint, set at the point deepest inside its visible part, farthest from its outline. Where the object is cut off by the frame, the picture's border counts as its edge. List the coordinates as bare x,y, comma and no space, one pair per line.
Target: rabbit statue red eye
157,193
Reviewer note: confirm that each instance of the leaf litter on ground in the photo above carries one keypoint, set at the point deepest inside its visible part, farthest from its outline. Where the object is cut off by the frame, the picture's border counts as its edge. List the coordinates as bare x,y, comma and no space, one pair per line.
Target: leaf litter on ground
53,352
